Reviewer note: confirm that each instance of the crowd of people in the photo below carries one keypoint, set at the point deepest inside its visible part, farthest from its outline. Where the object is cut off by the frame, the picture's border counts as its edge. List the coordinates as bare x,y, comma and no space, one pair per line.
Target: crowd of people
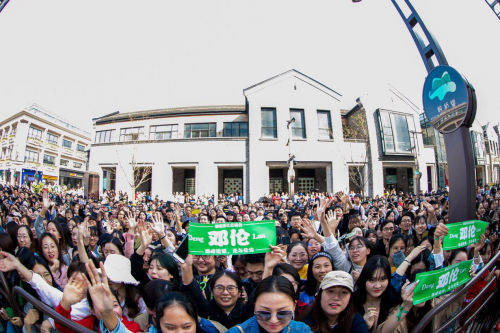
344,263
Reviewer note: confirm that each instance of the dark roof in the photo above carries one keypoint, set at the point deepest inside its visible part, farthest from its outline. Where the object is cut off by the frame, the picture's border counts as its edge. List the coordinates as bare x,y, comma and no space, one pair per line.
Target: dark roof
169,112
295,71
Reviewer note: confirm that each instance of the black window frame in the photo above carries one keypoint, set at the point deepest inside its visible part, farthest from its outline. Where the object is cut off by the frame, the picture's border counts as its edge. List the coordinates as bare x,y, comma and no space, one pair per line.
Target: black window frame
273,128
33,130
104,136
153,133
295,125
329,129
211,130
50,161
124,135
50,140
65,145
231,127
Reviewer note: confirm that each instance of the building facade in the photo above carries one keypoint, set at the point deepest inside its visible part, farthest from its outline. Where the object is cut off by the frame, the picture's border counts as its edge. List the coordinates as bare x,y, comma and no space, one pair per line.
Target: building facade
37,145
246,148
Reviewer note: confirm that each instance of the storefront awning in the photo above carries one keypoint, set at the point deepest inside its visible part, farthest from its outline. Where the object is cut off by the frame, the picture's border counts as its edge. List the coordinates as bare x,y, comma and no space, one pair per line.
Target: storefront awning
49,177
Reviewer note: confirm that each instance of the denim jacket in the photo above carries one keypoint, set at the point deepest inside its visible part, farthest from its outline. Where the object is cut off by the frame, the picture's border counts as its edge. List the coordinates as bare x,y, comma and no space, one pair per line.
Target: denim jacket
251,326
205,325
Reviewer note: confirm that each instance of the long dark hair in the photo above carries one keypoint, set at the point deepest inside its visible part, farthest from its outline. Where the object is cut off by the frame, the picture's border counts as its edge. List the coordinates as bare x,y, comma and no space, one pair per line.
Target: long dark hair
282,269
311,282
59,250
275,284
62,243
6,244
178,300
372,265
345,319
154,290
168,262
30,235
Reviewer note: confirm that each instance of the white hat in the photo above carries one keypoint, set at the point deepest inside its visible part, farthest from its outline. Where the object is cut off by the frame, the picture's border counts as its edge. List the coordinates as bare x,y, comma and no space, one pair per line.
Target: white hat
118,269
337,279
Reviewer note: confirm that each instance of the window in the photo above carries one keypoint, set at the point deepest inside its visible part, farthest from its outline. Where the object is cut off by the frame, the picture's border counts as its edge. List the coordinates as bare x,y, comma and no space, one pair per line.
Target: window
162,132
51,138
199,130
269,123
131,134
235,129
30,156
48,159
34,133
299,126
80,147
77,165
103,136
324,125
395,131
67,143
64,162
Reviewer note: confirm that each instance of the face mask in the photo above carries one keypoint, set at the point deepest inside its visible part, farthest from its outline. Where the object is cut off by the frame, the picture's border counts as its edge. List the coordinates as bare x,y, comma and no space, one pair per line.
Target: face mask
398,258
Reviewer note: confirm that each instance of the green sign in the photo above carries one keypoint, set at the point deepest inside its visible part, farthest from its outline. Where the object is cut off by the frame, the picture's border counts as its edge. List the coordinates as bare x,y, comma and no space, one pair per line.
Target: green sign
391,179
436,283
463,233
231,238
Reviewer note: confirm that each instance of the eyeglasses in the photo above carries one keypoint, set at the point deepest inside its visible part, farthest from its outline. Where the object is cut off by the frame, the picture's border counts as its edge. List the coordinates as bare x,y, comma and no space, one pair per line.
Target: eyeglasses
405,221
280,315
220,289
388,229
357,248
206,258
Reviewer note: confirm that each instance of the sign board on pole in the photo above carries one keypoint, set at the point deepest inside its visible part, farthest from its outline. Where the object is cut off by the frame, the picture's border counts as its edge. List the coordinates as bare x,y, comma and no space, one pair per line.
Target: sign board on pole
463,234
231,238
436,283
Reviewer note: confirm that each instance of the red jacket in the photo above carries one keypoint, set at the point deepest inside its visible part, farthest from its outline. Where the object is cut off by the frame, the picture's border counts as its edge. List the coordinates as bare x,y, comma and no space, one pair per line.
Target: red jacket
89,322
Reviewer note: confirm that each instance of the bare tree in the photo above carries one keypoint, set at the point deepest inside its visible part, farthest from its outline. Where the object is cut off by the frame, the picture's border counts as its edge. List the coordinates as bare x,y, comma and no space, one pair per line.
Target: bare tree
355,128
141,172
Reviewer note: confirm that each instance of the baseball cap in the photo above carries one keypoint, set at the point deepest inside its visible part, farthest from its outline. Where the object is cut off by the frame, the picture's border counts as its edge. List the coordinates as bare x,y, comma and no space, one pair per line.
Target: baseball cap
337,279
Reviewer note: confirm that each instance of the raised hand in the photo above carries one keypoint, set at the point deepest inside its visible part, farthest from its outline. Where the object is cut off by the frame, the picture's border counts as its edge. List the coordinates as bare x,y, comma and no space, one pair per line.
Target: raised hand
74,292
308,229
274,257
415,252
480,244
441,231
408,296
157,225
99,290
146,238
369,317
132,223
8,263
46,200
31,317
332,220
54,266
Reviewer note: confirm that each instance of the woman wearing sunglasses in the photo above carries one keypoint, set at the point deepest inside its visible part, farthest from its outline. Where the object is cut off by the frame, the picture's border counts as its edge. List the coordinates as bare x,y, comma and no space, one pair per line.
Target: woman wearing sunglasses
275,300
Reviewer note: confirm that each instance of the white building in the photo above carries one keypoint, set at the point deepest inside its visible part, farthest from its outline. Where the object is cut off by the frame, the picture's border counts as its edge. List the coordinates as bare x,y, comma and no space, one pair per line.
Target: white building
243,148
36,143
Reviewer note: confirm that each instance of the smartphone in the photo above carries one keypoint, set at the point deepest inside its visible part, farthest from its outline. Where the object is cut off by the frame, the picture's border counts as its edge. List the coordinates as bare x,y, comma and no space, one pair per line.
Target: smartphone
491,274
408,287
182,251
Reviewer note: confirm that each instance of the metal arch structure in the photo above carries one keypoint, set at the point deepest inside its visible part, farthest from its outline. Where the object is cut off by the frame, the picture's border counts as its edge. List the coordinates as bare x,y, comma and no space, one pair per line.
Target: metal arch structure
458,144
3,3
495,6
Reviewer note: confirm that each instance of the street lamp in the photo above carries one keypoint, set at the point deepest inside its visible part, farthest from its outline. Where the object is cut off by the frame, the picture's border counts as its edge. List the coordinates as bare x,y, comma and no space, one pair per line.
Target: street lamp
291,160
455,130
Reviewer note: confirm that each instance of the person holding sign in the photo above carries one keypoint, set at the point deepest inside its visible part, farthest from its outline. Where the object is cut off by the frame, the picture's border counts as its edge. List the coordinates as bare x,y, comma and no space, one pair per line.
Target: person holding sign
226,288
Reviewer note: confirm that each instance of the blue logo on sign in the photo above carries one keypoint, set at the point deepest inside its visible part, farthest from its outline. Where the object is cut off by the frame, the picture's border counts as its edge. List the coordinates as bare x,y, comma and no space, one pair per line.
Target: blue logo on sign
442,86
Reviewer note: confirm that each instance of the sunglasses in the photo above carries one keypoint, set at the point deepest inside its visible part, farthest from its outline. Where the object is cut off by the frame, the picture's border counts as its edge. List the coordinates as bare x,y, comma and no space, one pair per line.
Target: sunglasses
280,315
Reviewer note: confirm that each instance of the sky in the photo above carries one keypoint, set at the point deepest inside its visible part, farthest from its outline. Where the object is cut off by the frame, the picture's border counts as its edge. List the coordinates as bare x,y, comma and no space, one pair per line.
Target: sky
85,59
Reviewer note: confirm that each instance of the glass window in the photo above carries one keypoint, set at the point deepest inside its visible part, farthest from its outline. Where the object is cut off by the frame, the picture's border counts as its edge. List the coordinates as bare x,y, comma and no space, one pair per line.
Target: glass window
49,159
34,133
395,132
269,123
103,136
31,156
235,129
163,132
67,143
51,138
324,125
199,130
77,165
64,162
131,134
299,126
80,147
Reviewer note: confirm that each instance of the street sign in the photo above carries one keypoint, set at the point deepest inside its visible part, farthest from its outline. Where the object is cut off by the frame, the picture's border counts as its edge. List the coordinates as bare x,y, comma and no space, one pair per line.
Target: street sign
447,99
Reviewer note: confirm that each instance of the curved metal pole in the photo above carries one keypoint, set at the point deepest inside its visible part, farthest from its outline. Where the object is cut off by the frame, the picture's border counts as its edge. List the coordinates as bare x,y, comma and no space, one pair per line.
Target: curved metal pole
459,152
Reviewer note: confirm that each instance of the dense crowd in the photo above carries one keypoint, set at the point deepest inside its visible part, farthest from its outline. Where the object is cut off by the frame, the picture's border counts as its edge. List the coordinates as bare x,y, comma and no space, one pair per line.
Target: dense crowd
343,263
